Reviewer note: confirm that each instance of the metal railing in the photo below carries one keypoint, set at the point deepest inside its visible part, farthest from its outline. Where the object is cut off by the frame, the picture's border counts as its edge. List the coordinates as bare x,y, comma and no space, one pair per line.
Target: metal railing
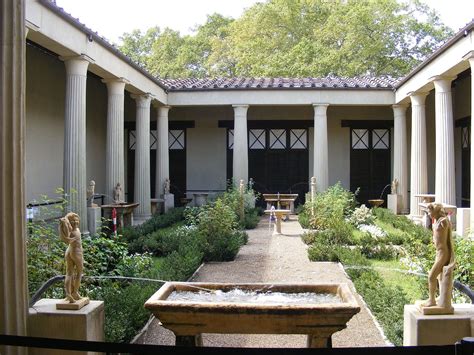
464,347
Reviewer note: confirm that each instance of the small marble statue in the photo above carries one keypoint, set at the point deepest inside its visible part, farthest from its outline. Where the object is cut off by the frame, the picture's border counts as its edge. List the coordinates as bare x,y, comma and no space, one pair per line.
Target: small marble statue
90,194
69,233
394,187
167,186
118,193
442,270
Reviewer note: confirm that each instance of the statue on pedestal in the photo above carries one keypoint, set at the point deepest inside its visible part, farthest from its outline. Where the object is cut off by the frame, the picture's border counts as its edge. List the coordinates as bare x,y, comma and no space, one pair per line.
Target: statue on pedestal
118,193
90,194
442,270
69,233
394,187
167,186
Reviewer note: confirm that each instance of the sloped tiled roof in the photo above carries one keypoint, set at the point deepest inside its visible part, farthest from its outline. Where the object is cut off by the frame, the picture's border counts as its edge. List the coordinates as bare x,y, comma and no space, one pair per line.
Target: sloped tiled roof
332,82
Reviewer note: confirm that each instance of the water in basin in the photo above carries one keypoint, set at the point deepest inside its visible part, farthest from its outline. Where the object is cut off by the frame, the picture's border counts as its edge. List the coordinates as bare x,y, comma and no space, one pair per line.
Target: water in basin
245,296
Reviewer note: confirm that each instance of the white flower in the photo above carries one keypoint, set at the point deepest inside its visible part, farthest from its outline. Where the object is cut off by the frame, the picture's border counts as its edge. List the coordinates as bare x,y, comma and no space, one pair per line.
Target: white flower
374,231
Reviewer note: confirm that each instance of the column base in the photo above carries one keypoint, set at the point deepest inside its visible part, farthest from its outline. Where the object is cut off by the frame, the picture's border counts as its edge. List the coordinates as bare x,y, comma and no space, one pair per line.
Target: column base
420,329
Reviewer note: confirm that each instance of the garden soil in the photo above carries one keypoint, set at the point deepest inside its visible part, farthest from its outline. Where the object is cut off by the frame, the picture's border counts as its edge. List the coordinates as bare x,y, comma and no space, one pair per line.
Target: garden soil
271,258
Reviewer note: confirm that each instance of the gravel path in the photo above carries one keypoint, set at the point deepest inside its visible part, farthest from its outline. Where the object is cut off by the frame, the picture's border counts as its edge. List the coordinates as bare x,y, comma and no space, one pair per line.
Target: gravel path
276,259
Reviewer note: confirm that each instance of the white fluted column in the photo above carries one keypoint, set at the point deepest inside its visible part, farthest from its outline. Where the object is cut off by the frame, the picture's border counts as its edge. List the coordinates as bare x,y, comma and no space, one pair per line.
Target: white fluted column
75,185
13,270
240,169
320,150
419,161
400,156
162,152
142,190
470,57
445,184
114,159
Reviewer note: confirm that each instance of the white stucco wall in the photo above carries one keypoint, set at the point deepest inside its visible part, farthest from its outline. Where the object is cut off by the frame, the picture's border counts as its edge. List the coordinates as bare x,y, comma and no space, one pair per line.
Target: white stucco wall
96,131
45,97
205,146
45,84
462,109
206,143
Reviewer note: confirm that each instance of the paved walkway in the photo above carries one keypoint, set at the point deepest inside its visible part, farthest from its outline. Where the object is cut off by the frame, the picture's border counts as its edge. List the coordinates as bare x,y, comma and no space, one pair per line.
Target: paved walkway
276,259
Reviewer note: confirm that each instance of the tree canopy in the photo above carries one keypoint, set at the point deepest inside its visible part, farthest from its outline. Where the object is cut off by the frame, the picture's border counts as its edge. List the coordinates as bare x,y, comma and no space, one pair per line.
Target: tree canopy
296,38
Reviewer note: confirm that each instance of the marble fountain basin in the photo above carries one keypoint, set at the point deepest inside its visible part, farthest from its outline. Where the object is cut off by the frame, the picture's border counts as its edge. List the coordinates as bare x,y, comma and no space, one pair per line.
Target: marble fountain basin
189,318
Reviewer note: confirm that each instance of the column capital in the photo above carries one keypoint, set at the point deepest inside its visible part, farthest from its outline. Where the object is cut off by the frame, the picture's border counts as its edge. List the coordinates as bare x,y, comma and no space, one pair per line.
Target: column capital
142,100
163,111
240,110
77,64
418,97
158,105
240,105
115,85
320,109
442,83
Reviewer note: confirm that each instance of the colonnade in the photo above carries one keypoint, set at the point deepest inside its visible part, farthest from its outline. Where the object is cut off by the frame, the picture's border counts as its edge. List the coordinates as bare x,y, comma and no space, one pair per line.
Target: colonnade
74,168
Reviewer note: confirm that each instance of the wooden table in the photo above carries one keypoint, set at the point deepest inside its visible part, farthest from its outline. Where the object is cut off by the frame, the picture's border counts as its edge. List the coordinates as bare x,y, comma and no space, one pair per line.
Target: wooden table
287,200
279,214
124,213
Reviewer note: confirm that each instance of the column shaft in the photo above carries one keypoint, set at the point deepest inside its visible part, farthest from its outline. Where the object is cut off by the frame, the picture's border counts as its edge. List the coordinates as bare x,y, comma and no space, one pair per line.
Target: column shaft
114,168
142,157
419,161
75,185
445,185
162,153
470,57
13,270
240,169
320,157
400,164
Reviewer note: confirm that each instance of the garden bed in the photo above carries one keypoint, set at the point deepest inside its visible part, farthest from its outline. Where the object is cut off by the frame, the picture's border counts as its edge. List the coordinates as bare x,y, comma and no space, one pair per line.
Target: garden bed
168,247
386,256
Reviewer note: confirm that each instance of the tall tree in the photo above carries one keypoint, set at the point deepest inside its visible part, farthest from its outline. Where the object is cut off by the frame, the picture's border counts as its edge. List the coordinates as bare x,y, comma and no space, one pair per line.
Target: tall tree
297,38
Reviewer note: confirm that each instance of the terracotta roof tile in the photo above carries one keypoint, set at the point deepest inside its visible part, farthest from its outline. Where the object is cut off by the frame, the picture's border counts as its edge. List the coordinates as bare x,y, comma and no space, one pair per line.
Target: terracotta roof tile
363,82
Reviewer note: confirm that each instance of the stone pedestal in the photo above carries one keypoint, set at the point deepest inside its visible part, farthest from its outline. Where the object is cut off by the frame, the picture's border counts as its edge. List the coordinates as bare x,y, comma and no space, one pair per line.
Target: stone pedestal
463,220
419,329
44,320
169,201
394,203
157,205
94,221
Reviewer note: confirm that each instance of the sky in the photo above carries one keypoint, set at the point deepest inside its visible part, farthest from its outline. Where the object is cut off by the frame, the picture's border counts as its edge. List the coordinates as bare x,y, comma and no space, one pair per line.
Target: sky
111,18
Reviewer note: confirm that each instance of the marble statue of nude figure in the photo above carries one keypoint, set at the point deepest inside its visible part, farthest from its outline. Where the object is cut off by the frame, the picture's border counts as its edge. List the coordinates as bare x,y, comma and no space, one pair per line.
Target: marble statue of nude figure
69,233
442,270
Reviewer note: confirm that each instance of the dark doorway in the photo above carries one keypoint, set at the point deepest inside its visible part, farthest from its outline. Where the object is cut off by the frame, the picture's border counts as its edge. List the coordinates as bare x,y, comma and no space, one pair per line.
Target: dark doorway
370,167
278,160
177,162
466,164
